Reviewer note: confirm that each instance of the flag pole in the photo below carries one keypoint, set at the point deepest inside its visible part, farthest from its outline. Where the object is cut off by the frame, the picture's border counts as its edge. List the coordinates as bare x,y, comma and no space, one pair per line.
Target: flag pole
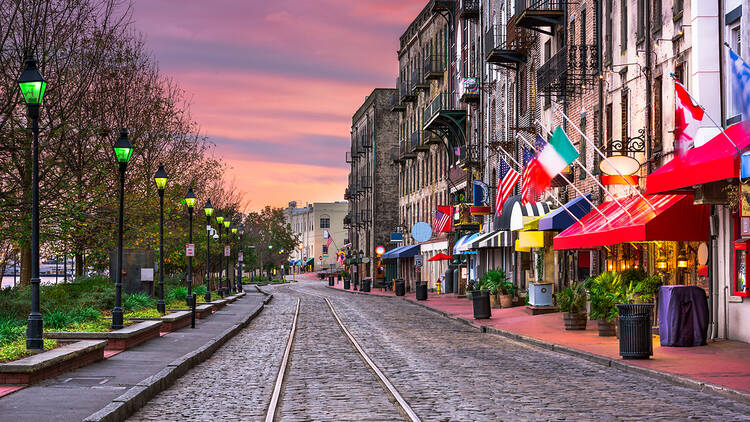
554,197
604,157
588,172
716,125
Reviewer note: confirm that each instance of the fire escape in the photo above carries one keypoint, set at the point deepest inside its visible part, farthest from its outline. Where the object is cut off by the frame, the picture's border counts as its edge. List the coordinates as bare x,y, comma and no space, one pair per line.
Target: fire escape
568,72
539,14
509,46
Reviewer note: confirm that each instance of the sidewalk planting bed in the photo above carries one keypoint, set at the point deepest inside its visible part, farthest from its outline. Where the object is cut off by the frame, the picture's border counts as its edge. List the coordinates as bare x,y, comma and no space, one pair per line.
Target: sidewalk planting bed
53,362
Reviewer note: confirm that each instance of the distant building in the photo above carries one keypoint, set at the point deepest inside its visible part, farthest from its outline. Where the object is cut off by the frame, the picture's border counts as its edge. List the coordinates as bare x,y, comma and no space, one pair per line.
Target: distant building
373,179
311,224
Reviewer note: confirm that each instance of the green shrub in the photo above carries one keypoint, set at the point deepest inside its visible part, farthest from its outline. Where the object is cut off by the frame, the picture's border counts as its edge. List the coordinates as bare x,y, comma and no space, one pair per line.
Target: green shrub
57,319
11,329
177,294
199,290
136,301
572,299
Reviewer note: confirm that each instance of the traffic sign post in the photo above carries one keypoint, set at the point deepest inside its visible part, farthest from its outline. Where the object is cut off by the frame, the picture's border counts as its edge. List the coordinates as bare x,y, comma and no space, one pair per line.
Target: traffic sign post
418,261
190,249
227,251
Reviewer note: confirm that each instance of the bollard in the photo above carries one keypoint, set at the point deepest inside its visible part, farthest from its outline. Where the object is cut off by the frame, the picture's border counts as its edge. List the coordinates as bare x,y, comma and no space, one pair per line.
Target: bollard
192,318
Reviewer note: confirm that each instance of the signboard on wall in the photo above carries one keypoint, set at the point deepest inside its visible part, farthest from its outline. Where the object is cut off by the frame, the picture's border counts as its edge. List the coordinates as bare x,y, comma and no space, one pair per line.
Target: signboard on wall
745,199
397,237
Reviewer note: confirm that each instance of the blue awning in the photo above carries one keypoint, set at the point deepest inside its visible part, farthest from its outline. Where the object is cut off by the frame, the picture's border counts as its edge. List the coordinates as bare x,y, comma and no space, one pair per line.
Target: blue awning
560,219
389,254
408,251
463,243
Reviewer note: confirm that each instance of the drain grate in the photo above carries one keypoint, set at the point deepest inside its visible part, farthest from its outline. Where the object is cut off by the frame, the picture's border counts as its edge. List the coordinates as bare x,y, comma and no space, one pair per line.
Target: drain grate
85,381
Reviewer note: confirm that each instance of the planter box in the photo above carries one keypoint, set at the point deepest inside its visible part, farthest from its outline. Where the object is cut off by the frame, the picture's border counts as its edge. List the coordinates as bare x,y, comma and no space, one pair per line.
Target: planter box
121,339
218,304
52,362
174,321
204,311
232,298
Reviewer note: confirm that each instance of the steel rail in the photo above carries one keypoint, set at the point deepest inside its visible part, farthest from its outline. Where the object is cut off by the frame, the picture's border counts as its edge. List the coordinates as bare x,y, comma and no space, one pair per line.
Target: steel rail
272,406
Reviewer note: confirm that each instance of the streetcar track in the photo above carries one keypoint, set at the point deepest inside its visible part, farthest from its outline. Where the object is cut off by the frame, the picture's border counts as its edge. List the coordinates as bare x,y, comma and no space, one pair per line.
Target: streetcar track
397,399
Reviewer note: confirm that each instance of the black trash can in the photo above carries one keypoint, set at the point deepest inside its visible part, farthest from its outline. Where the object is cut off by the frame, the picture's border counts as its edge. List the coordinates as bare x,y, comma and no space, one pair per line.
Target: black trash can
365,287
330,280
338,277
481,301
400,287
635,330
347,283
422,291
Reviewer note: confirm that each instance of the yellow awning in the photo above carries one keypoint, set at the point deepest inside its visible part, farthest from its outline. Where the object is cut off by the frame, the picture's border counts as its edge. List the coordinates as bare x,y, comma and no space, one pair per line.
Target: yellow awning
531,239
520,249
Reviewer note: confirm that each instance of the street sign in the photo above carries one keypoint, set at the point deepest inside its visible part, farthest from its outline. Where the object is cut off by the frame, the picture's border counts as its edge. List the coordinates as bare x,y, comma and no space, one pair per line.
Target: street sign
366,260
418,260
397,237
240,256
190,249
147,274
227,251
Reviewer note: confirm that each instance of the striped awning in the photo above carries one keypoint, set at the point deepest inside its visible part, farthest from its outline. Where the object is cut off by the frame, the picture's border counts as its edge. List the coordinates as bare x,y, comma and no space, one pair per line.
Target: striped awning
498,239
479,239
514,215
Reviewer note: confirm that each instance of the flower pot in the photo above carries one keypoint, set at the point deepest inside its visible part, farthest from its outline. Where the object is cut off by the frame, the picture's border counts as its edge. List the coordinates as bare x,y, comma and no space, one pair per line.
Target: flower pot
469,294
506,301
606,328
494,302
575,321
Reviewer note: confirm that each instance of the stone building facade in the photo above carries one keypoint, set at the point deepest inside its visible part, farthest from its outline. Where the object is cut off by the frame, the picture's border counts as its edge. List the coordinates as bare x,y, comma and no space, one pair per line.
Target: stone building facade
310,224
373,178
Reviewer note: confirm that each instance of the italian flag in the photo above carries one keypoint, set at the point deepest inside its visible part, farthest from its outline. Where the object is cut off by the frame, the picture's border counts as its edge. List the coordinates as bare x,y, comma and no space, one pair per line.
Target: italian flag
556,155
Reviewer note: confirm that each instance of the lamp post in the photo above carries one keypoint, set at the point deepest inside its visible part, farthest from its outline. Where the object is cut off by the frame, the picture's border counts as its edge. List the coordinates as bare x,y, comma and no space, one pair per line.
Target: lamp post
209,210
220,223
123,150
240,259
32,86
234,267
161,182
190,202
361,256
227,223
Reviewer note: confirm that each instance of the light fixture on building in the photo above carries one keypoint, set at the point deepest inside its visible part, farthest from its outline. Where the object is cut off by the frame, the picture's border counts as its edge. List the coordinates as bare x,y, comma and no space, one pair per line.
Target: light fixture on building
682,261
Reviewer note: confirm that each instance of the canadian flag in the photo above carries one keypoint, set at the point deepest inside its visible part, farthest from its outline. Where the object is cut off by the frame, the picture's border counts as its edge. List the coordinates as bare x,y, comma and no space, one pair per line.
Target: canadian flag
688,116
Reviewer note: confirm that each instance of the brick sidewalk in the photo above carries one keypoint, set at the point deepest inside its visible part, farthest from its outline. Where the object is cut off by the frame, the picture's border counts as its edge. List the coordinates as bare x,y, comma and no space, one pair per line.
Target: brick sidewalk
724,363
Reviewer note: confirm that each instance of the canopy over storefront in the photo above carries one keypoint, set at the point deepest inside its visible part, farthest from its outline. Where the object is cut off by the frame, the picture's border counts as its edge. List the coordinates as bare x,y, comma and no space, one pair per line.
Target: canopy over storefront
514,214
560,219
716,160
406,251
310,261
498,239
479,239
674,218
462,244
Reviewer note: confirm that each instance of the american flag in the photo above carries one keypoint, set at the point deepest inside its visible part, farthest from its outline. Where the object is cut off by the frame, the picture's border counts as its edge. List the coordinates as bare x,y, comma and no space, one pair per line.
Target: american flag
527,191
540,142
528,154
330,239
505,184
443,217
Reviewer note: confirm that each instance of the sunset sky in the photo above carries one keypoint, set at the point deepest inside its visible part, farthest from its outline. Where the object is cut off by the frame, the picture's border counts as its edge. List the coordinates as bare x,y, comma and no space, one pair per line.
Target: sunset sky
275,83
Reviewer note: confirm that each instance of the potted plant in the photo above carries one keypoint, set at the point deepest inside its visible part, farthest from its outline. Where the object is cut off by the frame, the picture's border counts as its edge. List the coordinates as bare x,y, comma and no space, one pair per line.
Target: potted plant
572,302
604,293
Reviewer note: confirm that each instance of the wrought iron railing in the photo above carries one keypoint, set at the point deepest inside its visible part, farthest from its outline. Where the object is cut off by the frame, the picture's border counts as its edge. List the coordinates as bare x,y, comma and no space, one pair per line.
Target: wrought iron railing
539,5
415,140
442,101
552,70
468,8
434,66
568,70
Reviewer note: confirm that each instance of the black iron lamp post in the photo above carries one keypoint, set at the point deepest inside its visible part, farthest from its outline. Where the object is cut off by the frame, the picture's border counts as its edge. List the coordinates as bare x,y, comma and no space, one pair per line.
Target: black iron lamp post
209,210
227,223
220,223
32,86
240,259
123,150
190,202
161,182
234,267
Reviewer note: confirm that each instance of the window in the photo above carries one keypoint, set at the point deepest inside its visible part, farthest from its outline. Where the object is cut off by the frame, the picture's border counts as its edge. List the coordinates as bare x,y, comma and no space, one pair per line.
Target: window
325,223
624,117
609,128
733,112
608,35
740,269
325,250
641,30
623,25
677,6
583,26
522,97
657,114
547,56
656,16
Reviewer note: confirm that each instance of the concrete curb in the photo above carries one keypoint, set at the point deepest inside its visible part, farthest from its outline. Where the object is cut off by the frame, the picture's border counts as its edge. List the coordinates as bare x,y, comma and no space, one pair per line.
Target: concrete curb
682,381
137,396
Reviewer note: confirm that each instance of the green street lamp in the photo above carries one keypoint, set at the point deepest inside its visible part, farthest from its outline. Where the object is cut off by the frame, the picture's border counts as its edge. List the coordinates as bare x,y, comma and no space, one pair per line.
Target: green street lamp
220,223
160,178
227,223
123,151
190,202
209,210
33,86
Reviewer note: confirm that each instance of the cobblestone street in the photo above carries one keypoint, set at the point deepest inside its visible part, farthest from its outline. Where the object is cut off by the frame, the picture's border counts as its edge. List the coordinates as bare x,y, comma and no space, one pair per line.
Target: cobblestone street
445,370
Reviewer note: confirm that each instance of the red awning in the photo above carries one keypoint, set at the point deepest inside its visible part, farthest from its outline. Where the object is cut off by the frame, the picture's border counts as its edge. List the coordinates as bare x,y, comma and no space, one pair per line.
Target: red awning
674,218
715,160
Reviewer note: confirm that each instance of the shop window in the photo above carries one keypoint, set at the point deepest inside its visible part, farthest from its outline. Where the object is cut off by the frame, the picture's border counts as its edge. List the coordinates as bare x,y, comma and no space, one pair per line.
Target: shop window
740,269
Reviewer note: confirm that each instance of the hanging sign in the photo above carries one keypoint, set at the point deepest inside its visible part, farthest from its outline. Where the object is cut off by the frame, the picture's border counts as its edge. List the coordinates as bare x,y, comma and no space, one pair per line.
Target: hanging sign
744,200
190,249
397,237
240,256
227,251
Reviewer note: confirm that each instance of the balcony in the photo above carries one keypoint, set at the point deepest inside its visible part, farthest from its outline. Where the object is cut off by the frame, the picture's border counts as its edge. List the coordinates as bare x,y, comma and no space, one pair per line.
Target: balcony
508,45
394,154
468,9
349,158
418,81
468,90
568,71
416,142
538,14
406,93
468,156
406,152
443,104
396,103
443,5
434,67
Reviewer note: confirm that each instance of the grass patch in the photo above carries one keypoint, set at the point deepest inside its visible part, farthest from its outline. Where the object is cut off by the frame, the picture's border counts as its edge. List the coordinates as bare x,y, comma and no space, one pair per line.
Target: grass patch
143,313
16,349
